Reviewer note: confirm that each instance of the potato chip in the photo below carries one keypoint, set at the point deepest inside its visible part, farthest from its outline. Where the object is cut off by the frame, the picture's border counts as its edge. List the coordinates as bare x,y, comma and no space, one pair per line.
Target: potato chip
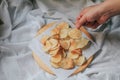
65,44
44,39
56,47
64,33
77,51
80,61
63,25
75,33
53,52
64,54
73,55
82,43
67,63
55,65
73,45
56,36
54,31
53,42
57,58
47,46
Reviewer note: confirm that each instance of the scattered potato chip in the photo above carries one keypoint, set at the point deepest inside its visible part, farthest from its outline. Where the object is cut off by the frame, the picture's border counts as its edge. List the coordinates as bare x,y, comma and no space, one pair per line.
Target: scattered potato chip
56,36
63,25
75,33
47,46
65,44
77,51
55,31
73,45
53,52
55,65
74,54
53,42
80,61
82,43
64,33
57,58
67,63
56,47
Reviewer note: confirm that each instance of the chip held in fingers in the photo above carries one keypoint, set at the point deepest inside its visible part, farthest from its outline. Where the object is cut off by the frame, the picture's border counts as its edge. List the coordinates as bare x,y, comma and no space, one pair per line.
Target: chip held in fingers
64,45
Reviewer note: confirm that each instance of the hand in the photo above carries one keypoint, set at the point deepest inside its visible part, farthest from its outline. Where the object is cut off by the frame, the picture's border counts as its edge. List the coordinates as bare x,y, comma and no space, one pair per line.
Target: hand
95,15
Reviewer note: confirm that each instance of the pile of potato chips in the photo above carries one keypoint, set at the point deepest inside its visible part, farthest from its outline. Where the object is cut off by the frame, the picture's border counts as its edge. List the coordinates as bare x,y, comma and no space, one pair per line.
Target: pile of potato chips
65,45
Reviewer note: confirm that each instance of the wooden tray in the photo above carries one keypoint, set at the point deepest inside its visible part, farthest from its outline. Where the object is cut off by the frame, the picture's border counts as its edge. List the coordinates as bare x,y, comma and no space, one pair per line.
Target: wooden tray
46,68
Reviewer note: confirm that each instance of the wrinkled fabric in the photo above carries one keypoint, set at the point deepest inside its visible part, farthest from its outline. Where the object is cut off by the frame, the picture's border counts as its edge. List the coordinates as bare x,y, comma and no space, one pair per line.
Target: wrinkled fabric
21,19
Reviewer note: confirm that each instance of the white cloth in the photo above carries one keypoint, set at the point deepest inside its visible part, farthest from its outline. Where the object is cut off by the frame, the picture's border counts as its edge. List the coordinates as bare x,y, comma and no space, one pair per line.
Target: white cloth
23,18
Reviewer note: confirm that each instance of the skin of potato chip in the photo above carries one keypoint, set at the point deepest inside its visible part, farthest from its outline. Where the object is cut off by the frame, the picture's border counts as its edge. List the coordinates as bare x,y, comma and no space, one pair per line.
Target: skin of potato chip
75,33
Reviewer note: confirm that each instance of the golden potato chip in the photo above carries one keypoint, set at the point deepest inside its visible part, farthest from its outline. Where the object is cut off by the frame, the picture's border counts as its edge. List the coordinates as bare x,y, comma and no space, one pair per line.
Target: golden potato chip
73,55
56,36
75,33
56,47
77,51
80,61
57,58
73,45
65,44
47,46
63,25
67,63
64,33
55,65
54,31
53,52
82,43
53,42
44,39
64,54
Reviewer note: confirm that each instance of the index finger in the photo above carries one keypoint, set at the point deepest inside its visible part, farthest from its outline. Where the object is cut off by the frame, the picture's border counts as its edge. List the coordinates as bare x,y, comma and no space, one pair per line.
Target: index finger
82,21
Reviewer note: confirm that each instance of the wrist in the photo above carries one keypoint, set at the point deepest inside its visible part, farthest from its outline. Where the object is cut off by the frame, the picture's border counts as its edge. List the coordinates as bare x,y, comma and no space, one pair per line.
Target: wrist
111,7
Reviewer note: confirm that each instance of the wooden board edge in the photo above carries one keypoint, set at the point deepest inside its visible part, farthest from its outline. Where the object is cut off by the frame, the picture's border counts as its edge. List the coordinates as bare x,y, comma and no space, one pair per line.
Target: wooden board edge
42,64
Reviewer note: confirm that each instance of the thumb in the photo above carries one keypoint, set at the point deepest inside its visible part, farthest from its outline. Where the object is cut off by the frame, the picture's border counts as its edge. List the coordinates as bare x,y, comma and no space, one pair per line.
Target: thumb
103,19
